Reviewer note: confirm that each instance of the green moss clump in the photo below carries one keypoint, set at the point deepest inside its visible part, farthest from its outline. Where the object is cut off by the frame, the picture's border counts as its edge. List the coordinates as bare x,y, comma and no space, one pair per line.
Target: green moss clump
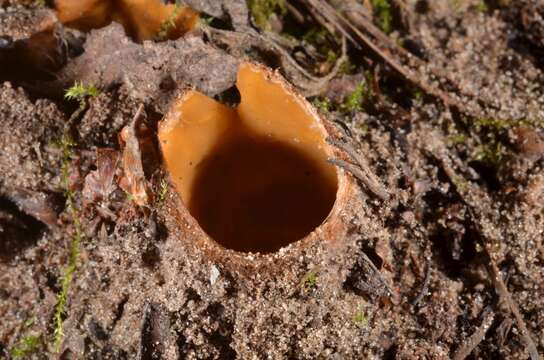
67,145
354,102
491,153
360,318
169,24
382,13
309,282
79,92
263,10
323,104
482,7
490,136
27,346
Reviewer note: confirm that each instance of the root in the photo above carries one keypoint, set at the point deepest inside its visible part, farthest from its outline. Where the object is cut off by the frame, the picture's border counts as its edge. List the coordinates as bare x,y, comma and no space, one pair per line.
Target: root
309,84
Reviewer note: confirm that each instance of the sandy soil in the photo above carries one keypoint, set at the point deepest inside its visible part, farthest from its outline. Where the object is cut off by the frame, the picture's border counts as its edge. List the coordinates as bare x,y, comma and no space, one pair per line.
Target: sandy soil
412,278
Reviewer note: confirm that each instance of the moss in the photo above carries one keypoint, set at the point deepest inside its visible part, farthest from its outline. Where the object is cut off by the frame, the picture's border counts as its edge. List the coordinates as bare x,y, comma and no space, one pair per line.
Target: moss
29,322
206,19
315,35
360,318
382,13
482,7
347,67
309,282
263,10
362,127
324,46
417,94
163,191
491,154
460,184
503,124
67,145
79,92
457,138
168,24
331,57
492,136
26,346
354,102
323,104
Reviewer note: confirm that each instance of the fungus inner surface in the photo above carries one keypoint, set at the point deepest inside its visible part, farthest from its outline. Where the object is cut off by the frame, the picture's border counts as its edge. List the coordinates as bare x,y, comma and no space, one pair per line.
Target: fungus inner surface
256,178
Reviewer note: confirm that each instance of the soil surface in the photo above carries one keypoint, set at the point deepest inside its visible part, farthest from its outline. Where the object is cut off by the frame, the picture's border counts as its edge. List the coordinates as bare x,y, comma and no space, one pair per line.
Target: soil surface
450,264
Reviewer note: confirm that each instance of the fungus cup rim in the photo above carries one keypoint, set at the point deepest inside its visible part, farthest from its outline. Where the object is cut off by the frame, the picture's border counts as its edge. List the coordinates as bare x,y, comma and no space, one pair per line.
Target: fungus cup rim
330,230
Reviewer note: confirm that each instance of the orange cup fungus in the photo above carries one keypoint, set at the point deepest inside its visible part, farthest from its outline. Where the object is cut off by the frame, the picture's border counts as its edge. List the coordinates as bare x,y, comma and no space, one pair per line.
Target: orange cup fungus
142,19
254,177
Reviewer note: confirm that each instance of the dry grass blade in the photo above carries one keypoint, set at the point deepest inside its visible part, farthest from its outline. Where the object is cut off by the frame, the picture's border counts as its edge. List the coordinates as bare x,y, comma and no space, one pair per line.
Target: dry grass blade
473,340
424,285
506,297
361,176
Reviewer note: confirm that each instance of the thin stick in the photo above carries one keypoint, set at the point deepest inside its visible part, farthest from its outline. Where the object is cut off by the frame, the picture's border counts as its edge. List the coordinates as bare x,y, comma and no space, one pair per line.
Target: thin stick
425,285
376,189
506,297
476,338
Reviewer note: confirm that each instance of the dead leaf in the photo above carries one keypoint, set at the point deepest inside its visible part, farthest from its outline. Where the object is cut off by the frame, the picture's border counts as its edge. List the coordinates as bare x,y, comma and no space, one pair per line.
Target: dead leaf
135,182
99,183
36,204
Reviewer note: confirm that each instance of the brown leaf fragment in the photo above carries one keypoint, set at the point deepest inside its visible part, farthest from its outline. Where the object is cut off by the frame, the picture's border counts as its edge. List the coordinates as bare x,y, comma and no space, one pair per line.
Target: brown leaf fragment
36,204
529,142
99,183
132,161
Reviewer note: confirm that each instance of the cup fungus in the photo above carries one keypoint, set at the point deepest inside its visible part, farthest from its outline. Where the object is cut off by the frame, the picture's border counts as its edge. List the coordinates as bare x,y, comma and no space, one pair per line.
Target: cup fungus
142,19
255,177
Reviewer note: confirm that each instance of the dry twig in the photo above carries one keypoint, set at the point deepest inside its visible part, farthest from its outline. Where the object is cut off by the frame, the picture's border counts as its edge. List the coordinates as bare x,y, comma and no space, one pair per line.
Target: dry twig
424,285
473,340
